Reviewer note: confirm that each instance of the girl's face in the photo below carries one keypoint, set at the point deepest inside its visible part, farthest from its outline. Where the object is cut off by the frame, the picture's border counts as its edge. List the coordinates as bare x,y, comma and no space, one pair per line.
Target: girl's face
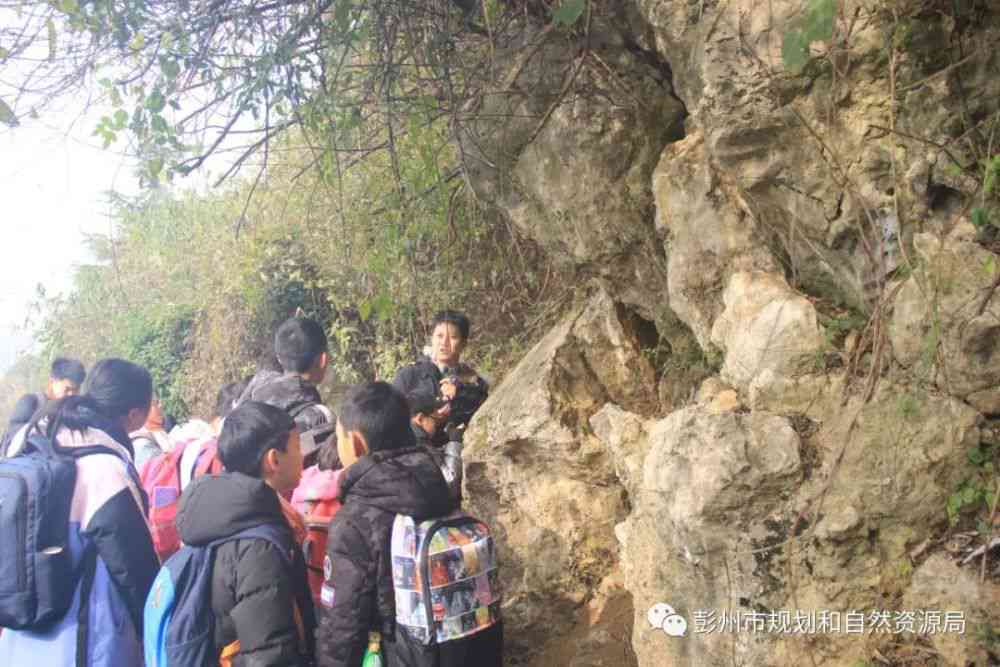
135,419
447,344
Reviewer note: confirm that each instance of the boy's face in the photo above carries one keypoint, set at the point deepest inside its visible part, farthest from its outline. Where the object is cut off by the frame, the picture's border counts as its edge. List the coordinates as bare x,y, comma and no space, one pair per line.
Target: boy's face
351,445
447,343
61,388
287,468
317,373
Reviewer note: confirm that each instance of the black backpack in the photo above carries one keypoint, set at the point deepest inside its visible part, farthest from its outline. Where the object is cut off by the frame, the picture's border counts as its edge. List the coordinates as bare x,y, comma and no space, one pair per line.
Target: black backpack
27,406
37,576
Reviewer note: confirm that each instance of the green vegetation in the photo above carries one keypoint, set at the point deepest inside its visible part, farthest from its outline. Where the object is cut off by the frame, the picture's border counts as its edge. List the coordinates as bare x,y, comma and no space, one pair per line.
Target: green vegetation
976,495
813,25
176,290
340,196
988,212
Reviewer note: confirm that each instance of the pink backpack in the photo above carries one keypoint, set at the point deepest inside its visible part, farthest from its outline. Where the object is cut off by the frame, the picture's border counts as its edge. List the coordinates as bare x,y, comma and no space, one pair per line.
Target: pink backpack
316,500
161,478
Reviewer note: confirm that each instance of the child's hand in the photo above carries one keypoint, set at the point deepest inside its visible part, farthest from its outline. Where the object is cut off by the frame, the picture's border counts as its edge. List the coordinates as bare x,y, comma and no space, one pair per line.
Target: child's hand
448,388
441,414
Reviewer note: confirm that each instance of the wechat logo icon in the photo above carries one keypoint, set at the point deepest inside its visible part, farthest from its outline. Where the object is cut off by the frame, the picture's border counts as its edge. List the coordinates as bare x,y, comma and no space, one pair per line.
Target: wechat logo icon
663,617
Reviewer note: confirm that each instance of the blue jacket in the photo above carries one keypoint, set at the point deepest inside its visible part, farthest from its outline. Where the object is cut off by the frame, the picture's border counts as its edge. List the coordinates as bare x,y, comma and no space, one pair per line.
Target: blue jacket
108,513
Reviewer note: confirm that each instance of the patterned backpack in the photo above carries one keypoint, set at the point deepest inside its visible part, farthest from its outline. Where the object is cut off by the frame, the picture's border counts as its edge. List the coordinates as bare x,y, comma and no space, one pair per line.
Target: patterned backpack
445,576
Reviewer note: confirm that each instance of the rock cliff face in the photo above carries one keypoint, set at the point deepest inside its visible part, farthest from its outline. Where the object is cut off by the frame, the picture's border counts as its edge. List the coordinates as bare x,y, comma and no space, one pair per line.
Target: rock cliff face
801,237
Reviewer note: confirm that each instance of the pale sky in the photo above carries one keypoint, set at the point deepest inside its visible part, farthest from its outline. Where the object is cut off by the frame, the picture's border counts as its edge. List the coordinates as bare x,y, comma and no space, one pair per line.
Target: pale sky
53,176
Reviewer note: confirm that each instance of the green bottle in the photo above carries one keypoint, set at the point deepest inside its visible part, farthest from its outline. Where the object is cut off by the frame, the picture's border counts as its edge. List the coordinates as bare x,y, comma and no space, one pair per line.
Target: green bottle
373,656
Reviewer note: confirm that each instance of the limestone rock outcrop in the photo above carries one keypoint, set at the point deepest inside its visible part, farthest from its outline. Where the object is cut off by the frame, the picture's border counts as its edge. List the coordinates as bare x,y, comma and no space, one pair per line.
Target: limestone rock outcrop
572,170
710,482
765,327
946,318
545,483
775,227
720,524
941,586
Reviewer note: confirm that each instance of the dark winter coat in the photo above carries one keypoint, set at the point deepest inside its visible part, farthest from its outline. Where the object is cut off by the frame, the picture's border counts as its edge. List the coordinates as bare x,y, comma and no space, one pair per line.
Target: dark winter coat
357,594
23,411
289,392
107,519
255,588
423,378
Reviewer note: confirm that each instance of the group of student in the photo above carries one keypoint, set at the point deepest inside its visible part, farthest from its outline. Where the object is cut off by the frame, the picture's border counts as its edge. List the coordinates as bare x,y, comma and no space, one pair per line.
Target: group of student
315,534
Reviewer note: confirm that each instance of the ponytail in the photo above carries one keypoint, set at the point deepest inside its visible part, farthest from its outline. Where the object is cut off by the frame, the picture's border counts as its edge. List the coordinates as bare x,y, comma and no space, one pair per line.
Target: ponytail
66,412
112,389
117,386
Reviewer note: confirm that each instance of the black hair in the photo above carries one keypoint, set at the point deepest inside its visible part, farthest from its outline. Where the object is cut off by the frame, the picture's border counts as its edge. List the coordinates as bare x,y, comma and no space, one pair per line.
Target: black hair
113,388
268,362
455,317
64,368
327,456
422,403
380,413
249,432
227,396
297,344
118,386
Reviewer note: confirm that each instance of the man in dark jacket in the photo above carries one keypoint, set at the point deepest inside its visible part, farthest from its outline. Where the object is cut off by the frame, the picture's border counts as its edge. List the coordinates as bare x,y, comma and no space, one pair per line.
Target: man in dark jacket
300,346
385,474
260,595
442,376
65,378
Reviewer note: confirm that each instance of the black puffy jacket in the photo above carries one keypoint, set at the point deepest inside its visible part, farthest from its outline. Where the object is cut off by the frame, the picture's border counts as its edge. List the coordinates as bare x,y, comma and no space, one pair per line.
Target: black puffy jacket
255,588
357,593
23,411
424,378
290,393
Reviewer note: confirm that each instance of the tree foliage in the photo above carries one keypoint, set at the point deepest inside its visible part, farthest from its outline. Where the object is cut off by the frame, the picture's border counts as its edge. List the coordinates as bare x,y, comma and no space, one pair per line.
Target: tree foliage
177,291
191,79
352,208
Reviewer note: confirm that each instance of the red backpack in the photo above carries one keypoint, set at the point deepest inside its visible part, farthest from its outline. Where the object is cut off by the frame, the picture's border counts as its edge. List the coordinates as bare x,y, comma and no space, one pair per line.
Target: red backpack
316,500
161,478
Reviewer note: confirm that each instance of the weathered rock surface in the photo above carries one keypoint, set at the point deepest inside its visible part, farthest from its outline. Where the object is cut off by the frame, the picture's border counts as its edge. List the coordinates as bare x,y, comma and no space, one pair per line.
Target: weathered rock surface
758,240
765,327
940,585
710,482
721,522
708,236
798,156
579,182
547,486
946,319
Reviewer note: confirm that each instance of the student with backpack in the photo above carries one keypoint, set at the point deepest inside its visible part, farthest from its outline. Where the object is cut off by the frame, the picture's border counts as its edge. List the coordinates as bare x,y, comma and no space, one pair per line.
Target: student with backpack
300,346
165,477
76,568
317,499
397,525
236,593
152,439
65,377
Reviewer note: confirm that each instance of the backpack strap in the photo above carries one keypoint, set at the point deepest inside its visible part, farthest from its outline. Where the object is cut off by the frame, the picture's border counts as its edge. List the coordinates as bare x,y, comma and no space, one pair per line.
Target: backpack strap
39,443
207,460
88,569
280,535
